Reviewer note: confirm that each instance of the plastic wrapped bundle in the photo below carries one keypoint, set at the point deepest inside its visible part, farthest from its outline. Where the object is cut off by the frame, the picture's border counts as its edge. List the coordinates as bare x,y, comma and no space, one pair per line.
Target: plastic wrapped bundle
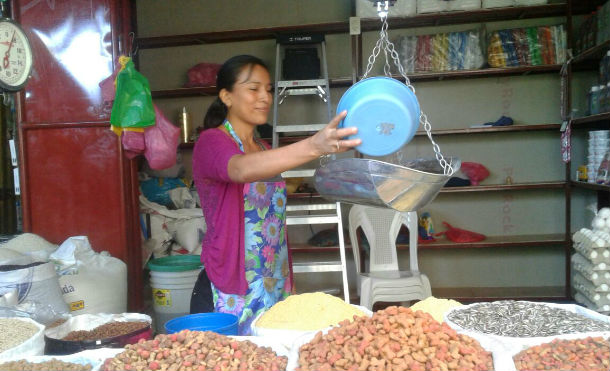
532,46
441,52
407,49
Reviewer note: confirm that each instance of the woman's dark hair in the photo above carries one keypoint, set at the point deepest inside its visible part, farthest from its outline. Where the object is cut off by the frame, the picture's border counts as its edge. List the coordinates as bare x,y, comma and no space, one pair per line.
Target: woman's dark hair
226,78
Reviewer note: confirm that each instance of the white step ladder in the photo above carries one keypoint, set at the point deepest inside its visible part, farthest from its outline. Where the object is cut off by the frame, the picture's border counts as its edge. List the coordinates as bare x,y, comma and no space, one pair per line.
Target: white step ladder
322,212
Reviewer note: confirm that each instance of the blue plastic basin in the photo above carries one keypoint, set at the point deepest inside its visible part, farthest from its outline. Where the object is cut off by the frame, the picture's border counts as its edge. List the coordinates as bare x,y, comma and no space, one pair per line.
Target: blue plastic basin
385,111
221,323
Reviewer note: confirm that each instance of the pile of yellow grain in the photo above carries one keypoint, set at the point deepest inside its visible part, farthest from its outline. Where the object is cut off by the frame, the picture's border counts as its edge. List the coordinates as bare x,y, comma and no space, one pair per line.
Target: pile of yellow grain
435,307
307,312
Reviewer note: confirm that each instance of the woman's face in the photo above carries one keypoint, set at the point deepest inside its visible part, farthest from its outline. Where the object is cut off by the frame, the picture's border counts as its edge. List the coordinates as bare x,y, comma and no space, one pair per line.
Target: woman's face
251,97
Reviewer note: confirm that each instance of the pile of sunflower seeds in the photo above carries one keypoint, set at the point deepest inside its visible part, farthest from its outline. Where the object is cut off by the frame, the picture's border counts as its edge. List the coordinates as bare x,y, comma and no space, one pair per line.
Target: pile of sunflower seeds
523,319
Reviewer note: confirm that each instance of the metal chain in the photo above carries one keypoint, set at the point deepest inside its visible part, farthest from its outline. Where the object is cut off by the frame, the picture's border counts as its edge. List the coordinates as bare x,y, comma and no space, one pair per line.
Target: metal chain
388,47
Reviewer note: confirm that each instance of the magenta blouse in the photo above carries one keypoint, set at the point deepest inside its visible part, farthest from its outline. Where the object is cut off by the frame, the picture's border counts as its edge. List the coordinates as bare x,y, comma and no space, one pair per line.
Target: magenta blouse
222,252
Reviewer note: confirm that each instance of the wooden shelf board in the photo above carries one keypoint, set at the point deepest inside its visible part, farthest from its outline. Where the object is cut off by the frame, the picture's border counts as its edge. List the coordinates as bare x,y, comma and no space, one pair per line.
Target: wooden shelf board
211,90
493,129
505,187
496,241
473,294
594,53
238,35
480,73
369,24
601,121
595,187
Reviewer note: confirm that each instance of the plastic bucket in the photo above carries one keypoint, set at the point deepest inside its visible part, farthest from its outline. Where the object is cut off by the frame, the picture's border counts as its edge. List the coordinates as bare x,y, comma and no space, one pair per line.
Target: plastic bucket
172,280
385,111
221,323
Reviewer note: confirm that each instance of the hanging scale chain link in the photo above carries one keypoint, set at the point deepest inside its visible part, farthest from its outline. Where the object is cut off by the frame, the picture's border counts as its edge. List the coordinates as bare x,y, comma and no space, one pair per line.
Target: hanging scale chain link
387,46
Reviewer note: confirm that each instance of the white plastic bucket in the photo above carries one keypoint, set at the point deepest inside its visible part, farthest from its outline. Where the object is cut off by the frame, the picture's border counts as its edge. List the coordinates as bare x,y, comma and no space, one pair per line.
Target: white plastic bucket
172,280
171,295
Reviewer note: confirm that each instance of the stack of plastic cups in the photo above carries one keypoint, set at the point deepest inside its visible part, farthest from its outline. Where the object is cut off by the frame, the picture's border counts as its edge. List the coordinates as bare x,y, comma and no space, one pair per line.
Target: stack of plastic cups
599,144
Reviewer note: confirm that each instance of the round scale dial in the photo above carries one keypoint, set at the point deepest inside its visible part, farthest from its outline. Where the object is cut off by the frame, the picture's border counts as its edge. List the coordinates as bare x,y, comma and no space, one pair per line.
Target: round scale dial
15,56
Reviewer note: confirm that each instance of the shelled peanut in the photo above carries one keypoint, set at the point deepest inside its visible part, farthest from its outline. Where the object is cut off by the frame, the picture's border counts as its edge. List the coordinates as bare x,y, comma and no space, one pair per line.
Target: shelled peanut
589,354
393,339
195,351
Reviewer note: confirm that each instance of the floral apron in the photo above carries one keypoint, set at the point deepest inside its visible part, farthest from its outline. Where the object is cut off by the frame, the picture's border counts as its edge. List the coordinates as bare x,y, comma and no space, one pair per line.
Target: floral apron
266,250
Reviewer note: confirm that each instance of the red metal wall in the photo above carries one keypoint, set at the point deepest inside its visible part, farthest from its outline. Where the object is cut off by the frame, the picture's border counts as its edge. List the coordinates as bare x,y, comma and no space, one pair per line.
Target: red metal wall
75,179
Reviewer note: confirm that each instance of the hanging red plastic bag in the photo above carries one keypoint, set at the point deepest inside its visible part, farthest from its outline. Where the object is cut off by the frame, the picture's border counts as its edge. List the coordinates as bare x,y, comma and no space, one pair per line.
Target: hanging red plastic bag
161,142
133,142
461,235
474,171
133,107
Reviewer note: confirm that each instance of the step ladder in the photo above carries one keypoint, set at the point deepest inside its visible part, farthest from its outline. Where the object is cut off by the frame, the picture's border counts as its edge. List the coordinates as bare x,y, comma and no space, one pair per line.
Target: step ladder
322,212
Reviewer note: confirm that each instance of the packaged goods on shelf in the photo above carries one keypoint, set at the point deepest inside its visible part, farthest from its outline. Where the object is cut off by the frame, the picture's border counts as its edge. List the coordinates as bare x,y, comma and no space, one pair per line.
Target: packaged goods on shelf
497,3
441,52
532,46
400,8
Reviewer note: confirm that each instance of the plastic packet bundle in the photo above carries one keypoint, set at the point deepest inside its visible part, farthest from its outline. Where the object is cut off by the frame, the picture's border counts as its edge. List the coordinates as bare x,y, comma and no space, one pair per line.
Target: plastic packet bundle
496,57
473,58
508,44
534,46
407,50
603,173
440,46
521,46
441,52
423,61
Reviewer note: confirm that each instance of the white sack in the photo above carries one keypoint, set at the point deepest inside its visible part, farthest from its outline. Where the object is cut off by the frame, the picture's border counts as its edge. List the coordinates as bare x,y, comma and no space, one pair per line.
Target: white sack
91,282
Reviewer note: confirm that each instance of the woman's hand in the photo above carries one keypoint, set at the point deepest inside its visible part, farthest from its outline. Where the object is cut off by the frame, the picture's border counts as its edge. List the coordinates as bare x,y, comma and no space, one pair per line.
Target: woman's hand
330,139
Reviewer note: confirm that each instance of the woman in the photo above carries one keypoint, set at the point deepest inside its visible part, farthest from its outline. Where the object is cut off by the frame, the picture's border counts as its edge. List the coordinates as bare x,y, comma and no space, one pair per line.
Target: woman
244,253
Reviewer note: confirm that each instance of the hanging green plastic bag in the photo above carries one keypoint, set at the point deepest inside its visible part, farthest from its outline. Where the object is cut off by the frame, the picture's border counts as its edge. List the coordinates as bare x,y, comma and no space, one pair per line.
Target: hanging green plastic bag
133,107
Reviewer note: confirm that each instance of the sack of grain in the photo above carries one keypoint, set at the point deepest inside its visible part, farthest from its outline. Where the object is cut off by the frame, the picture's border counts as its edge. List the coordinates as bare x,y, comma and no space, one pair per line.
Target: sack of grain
21,337
36,282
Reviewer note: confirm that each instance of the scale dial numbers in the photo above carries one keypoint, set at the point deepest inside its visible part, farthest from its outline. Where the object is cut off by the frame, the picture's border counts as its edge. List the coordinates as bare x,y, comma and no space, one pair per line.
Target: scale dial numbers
15,56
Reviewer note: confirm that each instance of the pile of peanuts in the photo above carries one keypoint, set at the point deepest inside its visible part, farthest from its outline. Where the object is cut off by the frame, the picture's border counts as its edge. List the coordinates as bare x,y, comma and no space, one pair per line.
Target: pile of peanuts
590,354
195,351
393,339
107,330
